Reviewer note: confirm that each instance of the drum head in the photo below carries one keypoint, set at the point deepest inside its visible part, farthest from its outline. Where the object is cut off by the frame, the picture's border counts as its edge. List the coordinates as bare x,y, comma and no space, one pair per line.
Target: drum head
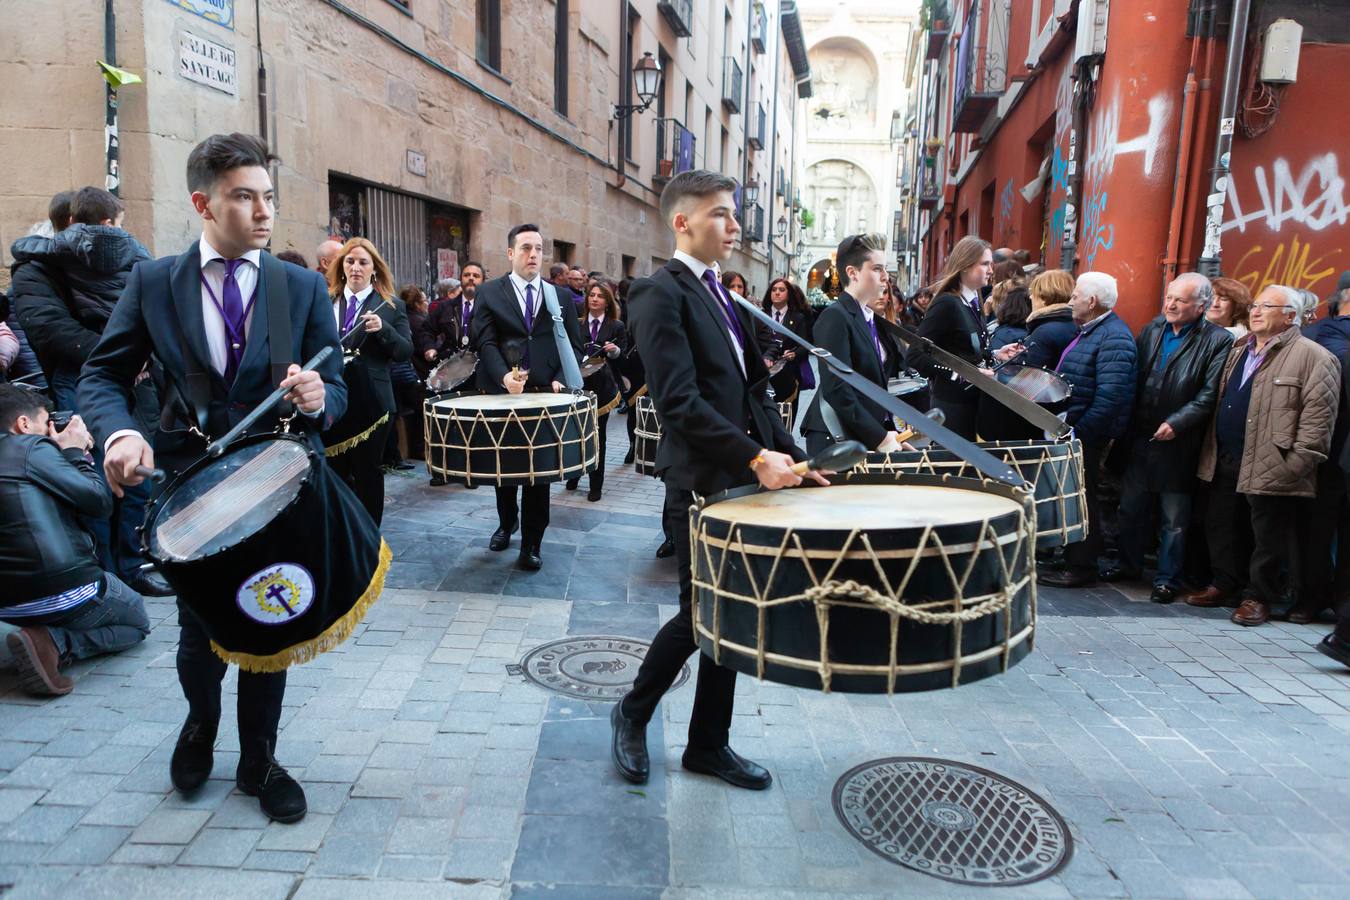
453,372
844,507
1034,383
470,403
592,365
906,384
228,499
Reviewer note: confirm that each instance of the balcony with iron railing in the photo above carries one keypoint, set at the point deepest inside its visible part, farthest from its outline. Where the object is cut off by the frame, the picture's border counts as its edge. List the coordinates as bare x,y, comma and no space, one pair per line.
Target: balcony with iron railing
939,25
675,149
679,14
929,190
752,223
758,120
759,30
981,65
732,83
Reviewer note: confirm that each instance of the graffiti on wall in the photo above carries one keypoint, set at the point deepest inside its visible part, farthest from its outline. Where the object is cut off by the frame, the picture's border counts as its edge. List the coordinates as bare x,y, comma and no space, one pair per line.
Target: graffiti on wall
1287,213
1005,210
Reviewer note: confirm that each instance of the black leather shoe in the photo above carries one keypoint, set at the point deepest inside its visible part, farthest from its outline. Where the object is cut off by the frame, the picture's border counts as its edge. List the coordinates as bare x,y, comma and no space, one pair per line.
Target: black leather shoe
404,466
1163,593
593,495
501,538
193,757
1067,578
279,795
729,766
150,584
530,558
437,480
628,457
629,746
1118,573
666,550
1336,648
571,484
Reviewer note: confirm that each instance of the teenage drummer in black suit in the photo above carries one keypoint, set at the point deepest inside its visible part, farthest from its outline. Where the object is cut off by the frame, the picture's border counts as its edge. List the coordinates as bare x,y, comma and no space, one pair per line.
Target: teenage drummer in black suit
602,334
848,329
205,316
362,288
719,430
787,304
510,314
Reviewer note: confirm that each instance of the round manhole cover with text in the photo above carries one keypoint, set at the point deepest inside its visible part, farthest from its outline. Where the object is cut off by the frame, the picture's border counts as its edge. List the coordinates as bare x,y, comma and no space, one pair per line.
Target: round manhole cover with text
590,667
952,820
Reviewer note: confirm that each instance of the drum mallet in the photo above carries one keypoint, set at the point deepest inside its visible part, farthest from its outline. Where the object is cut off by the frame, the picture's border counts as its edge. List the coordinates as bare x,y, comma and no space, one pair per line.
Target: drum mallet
217,447
154,475
838,457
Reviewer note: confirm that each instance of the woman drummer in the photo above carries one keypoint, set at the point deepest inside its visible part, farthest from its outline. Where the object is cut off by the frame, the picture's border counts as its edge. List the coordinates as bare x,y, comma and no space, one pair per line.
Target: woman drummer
955,323
604,334
362,290
786,303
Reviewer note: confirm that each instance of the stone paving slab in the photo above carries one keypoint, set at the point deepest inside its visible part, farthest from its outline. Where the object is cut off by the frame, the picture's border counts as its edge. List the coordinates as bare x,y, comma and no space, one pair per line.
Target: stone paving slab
1190,757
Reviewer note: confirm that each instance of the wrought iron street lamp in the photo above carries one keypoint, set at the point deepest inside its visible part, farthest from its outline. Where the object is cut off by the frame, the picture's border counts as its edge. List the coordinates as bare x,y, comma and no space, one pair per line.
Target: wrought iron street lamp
751,191
647,77
780,227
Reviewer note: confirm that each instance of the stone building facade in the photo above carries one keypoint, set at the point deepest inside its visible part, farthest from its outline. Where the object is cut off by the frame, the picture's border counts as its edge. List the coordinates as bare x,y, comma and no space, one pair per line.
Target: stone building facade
851,176
431,126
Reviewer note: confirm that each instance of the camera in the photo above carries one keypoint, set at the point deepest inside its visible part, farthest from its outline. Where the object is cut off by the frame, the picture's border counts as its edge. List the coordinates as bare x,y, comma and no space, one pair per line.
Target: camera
61,418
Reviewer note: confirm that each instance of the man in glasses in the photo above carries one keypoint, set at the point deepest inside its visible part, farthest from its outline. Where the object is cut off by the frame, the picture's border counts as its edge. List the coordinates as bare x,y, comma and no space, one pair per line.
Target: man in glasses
1277,406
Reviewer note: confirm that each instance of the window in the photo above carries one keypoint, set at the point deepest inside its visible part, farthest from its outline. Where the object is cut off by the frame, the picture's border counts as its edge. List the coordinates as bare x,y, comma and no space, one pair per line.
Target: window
629,34
560,58
564,252
489,36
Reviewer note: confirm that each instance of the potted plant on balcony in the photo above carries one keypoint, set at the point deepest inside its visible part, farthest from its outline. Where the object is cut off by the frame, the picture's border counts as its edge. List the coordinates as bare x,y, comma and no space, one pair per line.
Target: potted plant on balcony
666,167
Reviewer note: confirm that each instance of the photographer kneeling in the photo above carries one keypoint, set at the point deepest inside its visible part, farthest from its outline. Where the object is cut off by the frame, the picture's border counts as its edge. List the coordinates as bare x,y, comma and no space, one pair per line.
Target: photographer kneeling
54,588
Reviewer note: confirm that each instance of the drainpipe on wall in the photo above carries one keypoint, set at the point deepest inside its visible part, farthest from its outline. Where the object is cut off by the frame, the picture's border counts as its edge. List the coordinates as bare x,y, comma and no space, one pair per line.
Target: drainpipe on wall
1082,103
262,75
1211,260
111,140
1181,178
773,137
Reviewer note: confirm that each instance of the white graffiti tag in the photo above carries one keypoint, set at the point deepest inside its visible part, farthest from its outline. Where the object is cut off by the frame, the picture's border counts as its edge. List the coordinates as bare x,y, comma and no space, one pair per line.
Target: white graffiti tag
1315,199
1106,144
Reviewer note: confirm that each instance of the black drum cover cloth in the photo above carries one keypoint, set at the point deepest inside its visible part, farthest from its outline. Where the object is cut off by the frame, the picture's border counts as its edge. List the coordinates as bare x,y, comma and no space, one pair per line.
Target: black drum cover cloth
647,433
364,413
511,439
270,550
888,583
1053,469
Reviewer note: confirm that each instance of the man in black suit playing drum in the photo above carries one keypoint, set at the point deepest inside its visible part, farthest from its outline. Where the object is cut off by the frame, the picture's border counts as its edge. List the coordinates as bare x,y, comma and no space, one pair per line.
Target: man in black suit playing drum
511,319
707,380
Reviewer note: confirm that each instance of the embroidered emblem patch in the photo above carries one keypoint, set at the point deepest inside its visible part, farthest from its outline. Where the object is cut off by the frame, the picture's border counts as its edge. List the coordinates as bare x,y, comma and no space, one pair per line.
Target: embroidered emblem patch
276,594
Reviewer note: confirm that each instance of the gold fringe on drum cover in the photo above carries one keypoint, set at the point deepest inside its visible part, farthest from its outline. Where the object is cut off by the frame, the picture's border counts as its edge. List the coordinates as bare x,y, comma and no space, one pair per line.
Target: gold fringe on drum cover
609,406
339,449
334,635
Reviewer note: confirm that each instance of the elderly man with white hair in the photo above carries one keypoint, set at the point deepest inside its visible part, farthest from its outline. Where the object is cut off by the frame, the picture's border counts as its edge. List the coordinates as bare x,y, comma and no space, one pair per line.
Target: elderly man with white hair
1271,429
1181,357
1100,364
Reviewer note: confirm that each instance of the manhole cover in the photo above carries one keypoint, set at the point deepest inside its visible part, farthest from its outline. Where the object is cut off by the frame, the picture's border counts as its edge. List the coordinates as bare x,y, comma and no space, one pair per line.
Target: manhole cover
589,668
954,821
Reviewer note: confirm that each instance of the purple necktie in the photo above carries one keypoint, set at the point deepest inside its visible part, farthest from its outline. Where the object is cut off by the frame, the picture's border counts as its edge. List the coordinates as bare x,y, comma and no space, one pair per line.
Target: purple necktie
233,315
349,317
876,339
529,308
595,330
468,313
728,310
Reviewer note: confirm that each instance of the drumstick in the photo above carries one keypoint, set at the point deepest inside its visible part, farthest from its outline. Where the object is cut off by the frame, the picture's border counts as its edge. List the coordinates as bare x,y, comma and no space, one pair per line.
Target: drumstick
838,457
218,447
155,475
937,415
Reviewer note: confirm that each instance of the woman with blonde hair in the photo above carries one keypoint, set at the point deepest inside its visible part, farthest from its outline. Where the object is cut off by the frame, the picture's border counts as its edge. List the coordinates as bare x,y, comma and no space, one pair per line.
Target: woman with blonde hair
1050,326
955,323
374,325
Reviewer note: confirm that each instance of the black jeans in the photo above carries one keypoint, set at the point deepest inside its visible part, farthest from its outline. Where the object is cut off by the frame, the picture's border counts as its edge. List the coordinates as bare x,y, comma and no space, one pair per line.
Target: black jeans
531,514
200,672
1082,556
1248,538
715,693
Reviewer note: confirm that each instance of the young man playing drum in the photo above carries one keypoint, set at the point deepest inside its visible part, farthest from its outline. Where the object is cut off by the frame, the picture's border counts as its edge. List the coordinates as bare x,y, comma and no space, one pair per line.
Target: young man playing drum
205,315
848,329
511,317
707,381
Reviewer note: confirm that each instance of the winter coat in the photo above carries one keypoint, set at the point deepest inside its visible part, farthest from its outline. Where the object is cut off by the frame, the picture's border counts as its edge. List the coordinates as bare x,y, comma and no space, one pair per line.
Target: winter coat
1185,395
1289,422
1049,331
65,287
1101,369
1004,335
1333,334
9,348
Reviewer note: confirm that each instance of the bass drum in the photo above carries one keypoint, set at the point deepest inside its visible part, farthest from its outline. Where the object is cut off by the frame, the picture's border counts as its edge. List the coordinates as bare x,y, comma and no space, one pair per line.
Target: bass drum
647,433
888,583
511,439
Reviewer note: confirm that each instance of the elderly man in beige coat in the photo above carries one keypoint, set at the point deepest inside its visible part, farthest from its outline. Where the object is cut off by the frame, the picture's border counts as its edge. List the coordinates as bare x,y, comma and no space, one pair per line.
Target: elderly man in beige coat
1277,407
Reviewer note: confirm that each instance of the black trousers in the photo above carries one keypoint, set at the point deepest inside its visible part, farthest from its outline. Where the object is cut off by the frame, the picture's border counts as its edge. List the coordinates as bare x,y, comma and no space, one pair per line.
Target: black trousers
597,477
531,514
200,672
1248,538
1323,527
1082,556
715,692
360,468
962,412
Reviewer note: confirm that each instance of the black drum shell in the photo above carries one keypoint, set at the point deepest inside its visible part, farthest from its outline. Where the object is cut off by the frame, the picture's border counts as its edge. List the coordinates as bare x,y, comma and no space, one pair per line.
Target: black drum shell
647,432
565,451
364,406
1057,523
858,635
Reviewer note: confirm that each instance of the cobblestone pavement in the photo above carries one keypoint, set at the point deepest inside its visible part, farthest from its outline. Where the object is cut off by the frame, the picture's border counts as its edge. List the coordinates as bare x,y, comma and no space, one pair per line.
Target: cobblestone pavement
1191,757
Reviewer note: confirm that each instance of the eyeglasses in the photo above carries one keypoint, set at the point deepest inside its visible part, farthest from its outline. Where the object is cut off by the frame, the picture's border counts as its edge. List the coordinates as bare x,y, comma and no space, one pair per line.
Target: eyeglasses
1269,306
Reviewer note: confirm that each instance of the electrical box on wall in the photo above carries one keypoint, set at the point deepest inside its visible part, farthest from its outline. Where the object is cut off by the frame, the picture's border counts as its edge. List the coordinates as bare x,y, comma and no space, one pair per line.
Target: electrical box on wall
1279,52
1090,39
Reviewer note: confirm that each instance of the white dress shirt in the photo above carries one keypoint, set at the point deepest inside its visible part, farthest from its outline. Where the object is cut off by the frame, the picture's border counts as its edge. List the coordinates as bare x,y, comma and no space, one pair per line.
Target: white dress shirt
868,314
340,309
213,271
518,284
698,268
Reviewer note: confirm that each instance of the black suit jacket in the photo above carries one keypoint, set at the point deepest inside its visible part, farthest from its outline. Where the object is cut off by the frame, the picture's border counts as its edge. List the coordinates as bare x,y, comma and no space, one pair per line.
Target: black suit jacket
951,324
841,329
605,383
788,381
160,313
377,349
714,419
498,320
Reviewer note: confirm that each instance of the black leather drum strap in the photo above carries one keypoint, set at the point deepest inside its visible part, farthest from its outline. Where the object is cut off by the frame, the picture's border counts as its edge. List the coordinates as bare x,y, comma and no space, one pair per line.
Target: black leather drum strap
196,383
278,300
